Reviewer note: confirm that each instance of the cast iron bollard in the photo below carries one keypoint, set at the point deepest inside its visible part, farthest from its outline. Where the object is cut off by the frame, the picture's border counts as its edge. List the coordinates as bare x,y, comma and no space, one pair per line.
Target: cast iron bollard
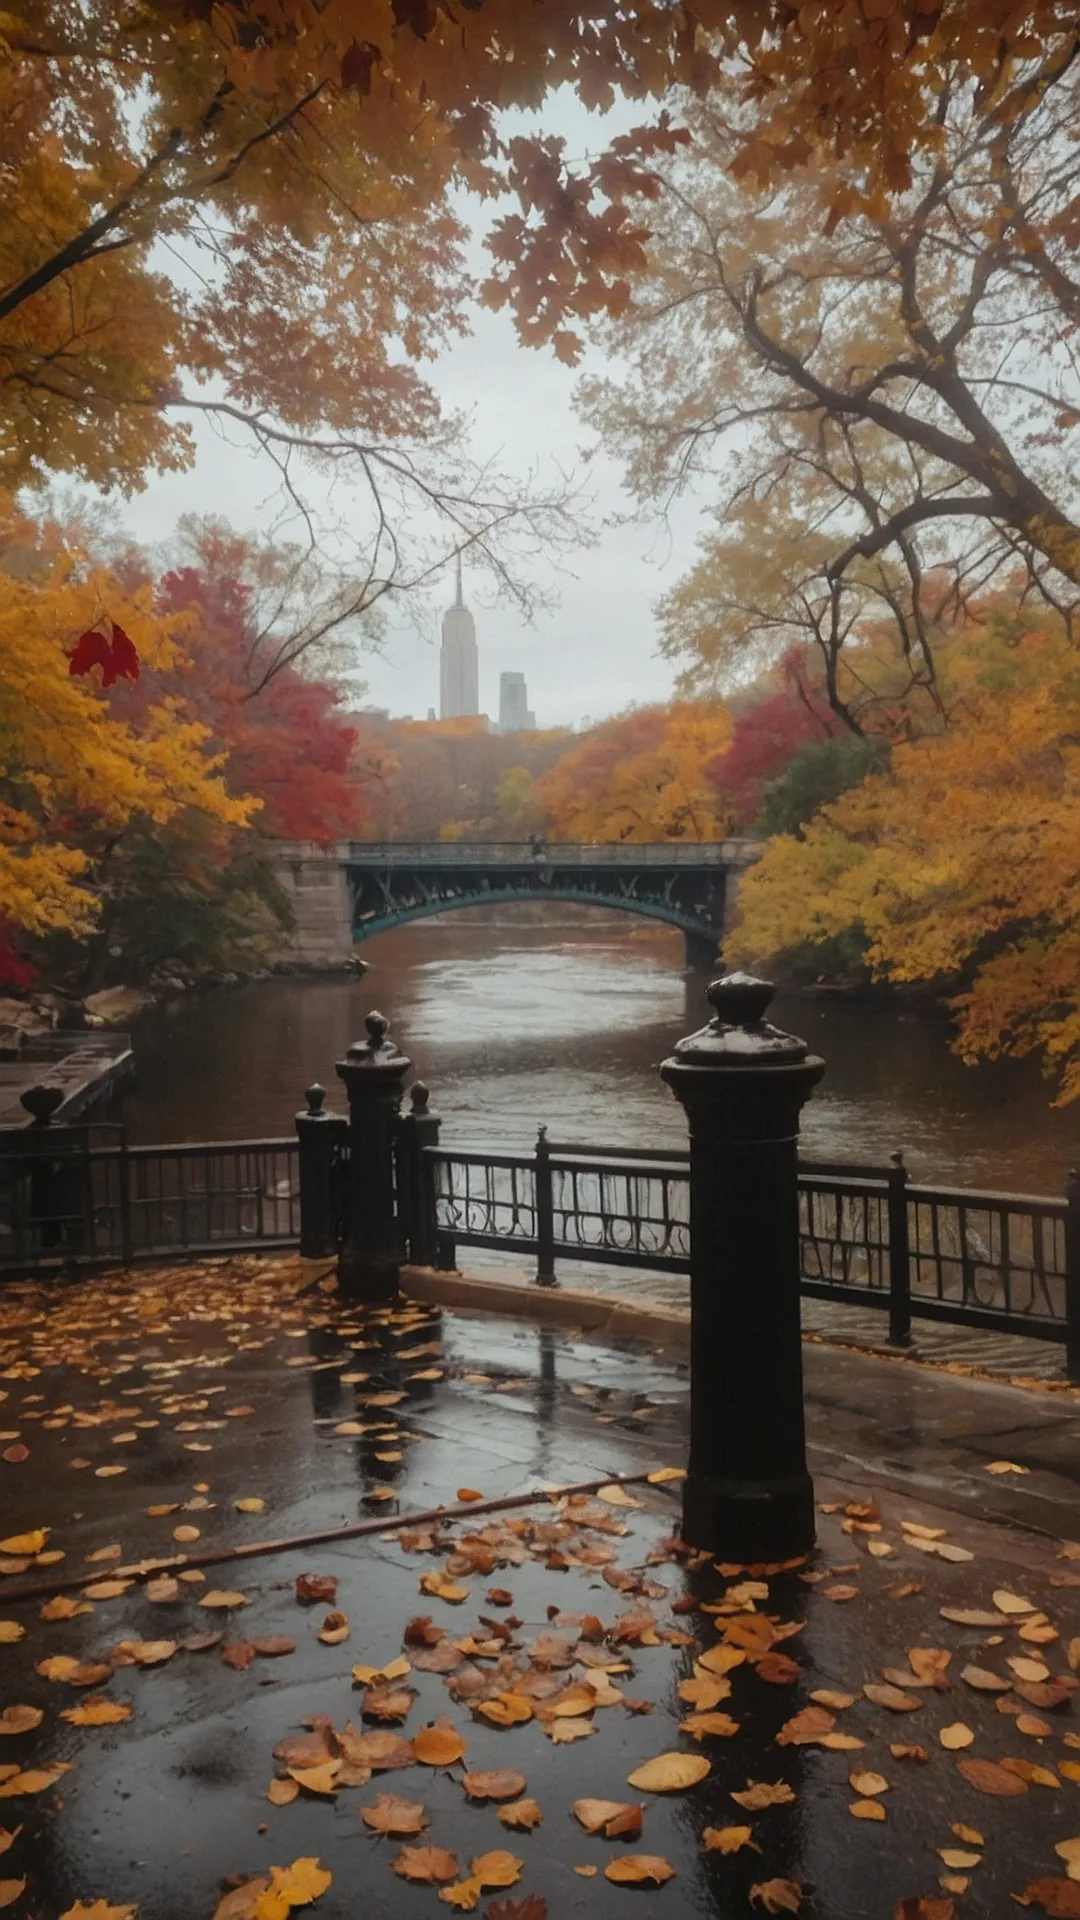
417,1130
373,1071
320,1137
545,1213
748,1495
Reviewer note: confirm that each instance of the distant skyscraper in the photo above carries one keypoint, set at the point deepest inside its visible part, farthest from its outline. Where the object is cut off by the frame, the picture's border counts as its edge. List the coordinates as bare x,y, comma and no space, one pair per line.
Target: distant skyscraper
459,671
514,715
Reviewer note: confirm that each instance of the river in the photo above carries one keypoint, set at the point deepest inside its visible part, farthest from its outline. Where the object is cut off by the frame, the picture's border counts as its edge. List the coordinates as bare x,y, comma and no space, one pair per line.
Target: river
513,1027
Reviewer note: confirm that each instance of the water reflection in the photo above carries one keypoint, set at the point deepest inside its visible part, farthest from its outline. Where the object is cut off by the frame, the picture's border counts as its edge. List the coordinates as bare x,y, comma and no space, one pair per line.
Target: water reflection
514,1027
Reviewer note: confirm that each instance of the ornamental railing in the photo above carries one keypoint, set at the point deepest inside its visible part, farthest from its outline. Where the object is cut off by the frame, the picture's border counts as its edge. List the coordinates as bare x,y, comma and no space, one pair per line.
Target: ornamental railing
869,1236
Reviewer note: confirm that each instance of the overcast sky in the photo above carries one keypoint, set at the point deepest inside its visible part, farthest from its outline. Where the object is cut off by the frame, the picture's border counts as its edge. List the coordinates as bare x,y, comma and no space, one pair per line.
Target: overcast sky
596,652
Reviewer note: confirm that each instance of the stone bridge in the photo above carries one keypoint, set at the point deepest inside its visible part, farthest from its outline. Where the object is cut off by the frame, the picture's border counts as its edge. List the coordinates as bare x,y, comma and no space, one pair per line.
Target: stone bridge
342,895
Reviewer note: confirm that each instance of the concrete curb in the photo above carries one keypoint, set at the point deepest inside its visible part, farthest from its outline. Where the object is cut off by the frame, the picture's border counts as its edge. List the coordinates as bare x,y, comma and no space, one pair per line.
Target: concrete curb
551,1306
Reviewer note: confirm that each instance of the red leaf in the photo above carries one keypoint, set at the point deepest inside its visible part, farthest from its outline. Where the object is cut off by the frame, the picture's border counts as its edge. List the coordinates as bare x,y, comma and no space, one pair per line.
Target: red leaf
356,65
117,659
91,650
125,660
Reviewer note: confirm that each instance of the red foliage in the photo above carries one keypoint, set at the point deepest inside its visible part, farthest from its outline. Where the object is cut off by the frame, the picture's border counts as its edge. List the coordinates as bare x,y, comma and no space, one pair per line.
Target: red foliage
286,741
117,657
14,970
765,737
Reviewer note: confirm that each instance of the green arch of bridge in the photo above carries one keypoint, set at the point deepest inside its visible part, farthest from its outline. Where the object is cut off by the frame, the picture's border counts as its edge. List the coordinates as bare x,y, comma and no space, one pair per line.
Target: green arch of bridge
506,896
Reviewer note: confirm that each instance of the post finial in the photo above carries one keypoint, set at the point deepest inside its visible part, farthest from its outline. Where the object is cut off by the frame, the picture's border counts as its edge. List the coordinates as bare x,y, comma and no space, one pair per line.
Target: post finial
315,1095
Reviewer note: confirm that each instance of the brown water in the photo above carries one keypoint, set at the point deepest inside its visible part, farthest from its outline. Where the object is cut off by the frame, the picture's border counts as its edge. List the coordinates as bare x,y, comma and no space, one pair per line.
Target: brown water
511,1028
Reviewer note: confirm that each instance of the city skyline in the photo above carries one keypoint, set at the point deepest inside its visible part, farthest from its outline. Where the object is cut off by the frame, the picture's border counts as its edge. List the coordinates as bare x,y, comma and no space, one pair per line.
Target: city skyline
459,673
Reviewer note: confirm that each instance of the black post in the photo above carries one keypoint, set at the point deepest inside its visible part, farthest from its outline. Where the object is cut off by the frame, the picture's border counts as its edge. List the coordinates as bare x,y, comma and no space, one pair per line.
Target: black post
321,1136
545,1213
418,1130
127,1243
1072,1275
899,1254
373,1071
748,1495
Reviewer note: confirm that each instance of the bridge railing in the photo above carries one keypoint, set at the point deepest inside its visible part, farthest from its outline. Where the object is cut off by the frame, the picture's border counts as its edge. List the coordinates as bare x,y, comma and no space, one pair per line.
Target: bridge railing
502,853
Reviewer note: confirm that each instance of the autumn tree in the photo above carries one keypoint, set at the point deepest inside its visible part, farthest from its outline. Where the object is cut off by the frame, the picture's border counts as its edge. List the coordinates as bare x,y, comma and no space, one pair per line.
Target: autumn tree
77,776
880,388
641,776
960,864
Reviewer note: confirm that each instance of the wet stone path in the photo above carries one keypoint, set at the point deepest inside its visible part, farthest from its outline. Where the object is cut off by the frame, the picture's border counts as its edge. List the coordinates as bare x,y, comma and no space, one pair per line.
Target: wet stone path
566,1646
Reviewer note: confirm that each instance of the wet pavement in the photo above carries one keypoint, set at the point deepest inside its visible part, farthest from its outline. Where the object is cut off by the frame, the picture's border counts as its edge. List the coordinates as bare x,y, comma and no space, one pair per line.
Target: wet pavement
228,1383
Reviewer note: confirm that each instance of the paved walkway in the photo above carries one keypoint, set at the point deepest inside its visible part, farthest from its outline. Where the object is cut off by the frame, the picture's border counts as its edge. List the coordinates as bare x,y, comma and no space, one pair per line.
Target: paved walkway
139,1407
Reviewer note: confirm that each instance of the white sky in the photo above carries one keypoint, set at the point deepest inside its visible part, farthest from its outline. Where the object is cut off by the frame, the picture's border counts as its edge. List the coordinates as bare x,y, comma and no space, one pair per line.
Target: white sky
595,653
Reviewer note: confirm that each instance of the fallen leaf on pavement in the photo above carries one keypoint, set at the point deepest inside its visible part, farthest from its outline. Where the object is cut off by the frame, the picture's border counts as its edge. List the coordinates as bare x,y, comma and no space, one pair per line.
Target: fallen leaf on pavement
956,1736
98,1910
12,1890
894,1698
764,1793
1005,1466
984,1680
972,1616
714,1725
829,1697
1058,1898
970,1835
900,1751
98,1713
320,1779
503,1784
728,1839
334,1629
282,1793
609,1817
521,1813
393,1815
1007,1602
295,1886
988,1777
439,1744
34,1780
639,1870
777,1896
1069,1851
867,1810
867,1784
252,1504
670,1773
311,1588
20,1719
73,1673
954,1859
25,1542
433,1865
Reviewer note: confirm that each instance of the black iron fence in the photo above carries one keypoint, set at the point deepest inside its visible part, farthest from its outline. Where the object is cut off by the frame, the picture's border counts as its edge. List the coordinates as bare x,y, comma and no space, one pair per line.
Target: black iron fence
78,1195
869,1235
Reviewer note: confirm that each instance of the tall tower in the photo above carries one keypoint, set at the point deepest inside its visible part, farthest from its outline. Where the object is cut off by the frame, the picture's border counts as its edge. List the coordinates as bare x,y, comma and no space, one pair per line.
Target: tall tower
459,669
514,714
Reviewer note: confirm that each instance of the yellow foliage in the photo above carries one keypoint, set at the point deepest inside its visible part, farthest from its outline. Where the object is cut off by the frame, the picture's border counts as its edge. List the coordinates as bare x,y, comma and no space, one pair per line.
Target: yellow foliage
963,859
75,771
641,777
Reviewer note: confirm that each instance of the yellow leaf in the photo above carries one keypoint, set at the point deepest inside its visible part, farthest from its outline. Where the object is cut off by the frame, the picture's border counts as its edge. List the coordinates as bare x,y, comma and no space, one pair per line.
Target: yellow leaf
297,1885
224,1597
639,1870
464,1895
521,1813
251,1504
868,1784
664,1474
764,1793
98,1910
867,1810
98,1713
1005,1466
439,1745
25,1542
11,1890
956,1736
1067,1850
20,1719
496,1869
617,1496
321,1779
728,1839
670,1773
34,1780
282,1793
10,1630
955,1859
